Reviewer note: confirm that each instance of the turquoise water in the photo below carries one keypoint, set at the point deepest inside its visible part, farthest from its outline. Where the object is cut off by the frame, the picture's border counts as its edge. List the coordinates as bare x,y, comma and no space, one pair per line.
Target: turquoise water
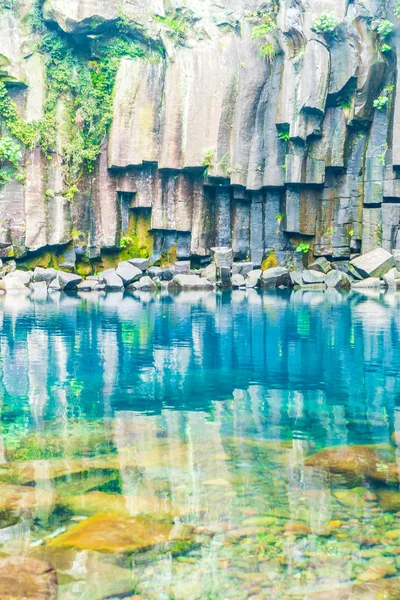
160,446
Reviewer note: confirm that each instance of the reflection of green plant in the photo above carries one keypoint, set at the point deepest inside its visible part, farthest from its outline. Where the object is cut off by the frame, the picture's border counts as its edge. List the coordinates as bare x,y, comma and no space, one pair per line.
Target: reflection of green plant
351,233
330,231
385,48
303,247
397,10
325,23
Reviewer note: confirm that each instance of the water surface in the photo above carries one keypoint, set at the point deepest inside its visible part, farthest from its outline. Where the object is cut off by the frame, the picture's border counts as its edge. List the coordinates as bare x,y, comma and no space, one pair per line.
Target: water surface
157,445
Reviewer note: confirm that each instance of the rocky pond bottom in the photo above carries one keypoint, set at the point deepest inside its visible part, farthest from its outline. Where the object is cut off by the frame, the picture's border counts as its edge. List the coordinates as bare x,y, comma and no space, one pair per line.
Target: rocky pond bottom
208,446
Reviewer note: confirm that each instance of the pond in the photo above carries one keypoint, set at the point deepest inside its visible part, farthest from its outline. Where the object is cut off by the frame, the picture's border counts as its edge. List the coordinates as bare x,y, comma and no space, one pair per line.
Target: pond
202,446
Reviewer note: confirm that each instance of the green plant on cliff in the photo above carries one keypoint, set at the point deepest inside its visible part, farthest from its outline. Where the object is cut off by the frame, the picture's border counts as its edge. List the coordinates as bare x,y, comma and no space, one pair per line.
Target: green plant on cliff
263,24
268,51
84,88
176,26
325,22
380,102
17,127
303,247
10,159
209,160
264,28
383,29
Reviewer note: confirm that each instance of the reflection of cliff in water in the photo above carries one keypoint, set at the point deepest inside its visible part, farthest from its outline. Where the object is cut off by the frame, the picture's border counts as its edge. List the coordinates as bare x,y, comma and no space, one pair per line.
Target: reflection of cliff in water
309,362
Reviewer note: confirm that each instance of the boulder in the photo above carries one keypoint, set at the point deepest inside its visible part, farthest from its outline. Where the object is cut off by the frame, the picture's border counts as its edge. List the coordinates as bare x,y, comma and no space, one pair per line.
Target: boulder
392,278
182,267
275,277
374,264
68,281
88,285
140,263
155,272
321,264
242,268
128,272
25,577
222,257
112,280
145,284
370,282
313,277
253,278
12,284
224,277
296,277
167,274
54,285
210,272
338,280
24,276
238,281
47,275
189,282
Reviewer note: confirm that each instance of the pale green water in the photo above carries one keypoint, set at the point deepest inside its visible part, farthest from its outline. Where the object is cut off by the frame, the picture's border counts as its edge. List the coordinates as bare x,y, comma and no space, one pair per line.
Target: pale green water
162,443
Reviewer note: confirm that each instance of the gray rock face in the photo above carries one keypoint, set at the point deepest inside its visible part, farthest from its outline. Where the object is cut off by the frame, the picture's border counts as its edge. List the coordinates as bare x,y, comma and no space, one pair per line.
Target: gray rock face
24,276
128,272
189,282
167,274
274,278
374,264
242,268
210,273
112,280
296,146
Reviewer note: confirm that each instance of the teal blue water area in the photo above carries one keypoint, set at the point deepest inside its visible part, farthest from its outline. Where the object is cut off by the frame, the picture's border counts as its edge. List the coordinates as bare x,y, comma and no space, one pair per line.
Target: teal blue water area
199,412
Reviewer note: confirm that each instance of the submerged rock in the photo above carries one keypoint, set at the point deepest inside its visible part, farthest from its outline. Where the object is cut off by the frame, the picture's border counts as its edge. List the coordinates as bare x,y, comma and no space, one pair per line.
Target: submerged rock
115,534
356,462
22,577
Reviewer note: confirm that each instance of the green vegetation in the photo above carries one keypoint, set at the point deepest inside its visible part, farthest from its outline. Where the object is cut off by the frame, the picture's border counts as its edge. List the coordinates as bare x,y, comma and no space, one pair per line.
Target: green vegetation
325,23
125,241
10,159
17,127
397,10
383,30
263,24
84,91
284,135
176,25
303,247
209,160
380,102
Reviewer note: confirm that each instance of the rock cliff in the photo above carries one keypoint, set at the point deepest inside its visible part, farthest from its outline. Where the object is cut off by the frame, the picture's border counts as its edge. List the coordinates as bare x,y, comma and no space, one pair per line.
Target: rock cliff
164,128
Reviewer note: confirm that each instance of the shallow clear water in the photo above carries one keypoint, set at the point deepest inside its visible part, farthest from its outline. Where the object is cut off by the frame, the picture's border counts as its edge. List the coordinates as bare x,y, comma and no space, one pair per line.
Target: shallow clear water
160,446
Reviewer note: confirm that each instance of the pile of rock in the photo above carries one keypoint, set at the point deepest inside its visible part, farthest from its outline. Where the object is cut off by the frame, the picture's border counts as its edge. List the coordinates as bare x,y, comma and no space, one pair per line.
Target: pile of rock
372,270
